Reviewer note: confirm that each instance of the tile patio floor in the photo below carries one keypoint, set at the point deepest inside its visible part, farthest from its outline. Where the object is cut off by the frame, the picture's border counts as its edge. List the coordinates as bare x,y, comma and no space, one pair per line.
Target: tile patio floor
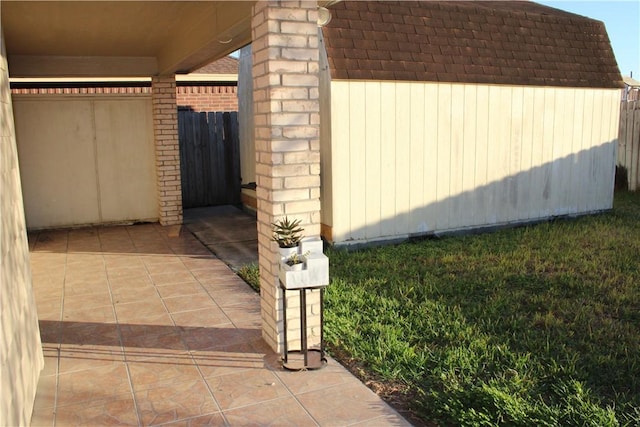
142,325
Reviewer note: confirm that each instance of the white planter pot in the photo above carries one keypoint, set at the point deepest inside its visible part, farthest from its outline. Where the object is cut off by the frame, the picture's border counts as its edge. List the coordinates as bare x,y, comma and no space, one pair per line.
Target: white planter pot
312,245
314,273
293,267
287,252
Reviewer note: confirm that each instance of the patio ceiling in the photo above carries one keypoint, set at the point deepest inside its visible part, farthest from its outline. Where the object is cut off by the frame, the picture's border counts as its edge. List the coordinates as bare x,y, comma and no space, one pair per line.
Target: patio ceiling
120,38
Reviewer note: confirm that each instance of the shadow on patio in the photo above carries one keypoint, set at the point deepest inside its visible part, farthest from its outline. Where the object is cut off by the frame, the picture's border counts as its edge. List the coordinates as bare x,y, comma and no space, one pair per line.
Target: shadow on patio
142,325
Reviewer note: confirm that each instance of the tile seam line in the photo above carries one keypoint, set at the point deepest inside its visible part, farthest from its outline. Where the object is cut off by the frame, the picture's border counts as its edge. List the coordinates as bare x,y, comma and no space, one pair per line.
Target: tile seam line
204,288
190,418
117,323
200,283
208,386
295,397
188,352
59,343
235,408
165,238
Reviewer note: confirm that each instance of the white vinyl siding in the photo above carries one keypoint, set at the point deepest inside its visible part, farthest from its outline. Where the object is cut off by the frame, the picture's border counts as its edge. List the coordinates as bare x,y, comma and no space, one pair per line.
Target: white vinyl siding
413,158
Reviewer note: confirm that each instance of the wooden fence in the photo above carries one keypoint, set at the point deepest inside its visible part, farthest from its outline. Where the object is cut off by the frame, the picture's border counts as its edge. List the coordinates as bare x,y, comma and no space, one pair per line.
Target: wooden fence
209,158
629,143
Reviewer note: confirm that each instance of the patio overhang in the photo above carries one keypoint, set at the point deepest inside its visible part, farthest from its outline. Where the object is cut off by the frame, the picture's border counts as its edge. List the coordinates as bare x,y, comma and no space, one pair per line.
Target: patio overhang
120,39
158,39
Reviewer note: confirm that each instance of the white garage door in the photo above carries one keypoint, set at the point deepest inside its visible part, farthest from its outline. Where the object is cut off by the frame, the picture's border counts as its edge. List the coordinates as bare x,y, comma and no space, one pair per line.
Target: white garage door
85,160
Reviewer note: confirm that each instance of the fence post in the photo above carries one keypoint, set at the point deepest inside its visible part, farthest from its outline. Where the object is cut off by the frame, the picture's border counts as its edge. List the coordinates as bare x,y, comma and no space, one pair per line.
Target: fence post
629,142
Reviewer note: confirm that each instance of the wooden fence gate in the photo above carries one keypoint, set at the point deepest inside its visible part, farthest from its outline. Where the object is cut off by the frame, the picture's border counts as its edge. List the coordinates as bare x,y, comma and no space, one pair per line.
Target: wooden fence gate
209,158
629,143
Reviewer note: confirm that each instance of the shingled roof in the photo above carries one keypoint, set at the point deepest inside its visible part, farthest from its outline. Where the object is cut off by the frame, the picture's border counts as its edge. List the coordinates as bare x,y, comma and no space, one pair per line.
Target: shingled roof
501,42
225,65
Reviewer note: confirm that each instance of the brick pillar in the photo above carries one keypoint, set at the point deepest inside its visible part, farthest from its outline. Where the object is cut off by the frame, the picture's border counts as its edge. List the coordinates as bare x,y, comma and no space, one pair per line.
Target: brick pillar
165,131
286,115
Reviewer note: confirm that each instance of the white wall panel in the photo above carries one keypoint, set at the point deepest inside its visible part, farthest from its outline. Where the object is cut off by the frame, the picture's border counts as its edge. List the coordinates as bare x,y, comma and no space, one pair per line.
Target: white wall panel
516,180
358,145
536,175
326,164
372,160
578,148
416,156
245,117
412,158
402,143
481,203
125,160
340,161
86,160
388,175
427,214
468,170
56,150
443,166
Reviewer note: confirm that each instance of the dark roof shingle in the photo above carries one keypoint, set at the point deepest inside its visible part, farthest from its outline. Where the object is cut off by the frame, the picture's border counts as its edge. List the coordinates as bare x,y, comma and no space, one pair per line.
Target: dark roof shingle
225,65
502,42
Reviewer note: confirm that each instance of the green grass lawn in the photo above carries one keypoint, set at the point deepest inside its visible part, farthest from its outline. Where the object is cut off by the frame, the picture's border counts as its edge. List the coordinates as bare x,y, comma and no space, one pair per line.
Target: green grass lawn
536,325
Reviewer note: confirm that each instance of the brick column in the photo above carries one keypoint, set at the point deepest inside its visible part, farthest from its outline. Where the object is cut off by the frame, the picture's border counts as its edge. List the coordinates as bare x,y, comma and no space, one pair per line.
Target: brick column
165,131
286,115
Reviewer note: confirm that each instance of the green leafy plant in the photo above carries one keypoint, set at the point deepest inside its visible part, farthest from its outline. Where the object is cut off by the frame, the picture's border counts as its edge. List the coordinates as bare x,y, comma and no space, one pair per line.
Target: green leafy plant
287,233
296,258
250,273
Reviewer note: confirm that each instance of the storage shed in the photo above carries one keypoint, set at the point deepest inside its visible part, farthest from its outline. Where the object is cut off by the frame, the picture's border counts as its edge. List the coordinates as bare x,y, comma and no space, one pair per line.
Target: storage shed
444,116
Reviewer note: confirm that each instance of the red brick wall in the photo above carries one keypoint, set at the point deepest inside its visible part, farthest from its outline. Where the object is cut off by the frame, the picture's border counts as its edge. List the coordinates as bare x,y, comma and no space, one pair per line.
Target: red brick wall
208,98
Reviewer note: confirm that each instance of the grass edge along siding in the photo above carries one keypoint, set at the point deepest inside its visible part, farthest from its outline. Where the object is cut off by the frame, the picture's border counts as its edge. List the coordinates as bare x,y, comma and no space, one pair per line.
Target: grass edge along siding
537,325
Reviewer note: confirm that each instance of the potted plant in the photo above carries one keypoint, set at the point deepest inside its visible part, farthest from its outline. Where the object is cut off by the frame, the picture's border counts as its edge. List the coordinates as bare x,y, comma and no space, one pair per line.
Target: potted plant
287,233
302,263
295,261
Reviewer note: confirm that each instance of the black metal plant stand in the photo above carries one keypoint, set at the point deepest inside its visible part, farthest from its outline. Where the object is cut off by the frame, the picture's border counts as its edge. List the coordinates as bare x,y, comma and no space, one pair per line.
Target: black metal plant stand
312,358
